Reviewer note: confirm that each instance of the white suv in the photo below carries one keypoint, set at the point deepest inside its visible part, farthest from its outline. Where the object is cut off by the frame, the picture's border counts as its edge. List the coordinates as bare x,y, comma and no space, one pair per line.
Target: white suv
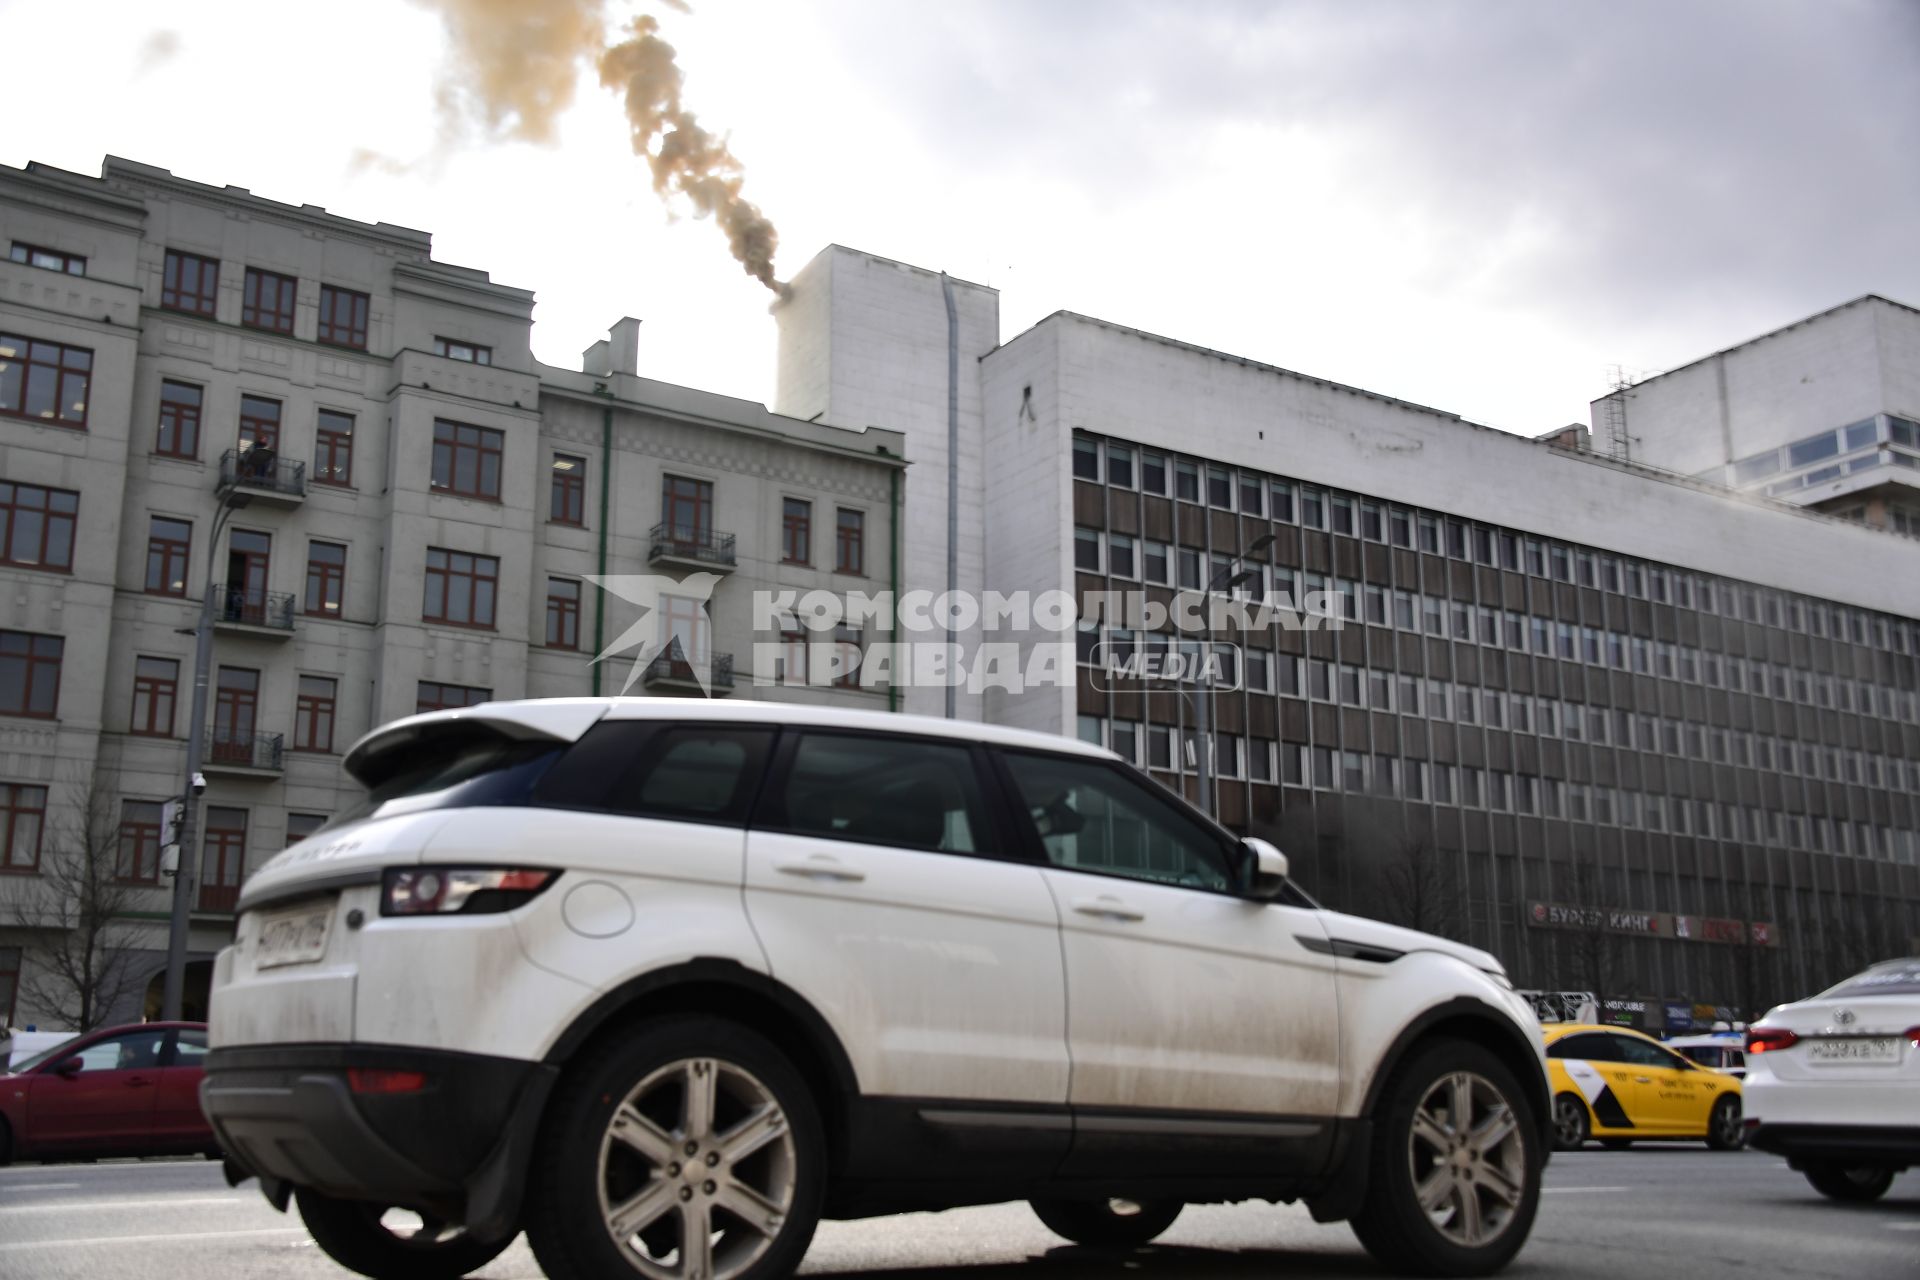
666,982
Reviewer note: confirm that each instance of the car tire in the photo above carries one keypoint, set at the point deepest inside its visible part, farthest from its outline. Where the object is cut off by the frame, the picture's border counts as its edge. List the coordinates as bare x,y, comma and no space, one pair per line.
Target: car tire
1855,1184
352,1234
679,1129
1424,1144
1108,1224
1726,1130
1570,1126
6,1144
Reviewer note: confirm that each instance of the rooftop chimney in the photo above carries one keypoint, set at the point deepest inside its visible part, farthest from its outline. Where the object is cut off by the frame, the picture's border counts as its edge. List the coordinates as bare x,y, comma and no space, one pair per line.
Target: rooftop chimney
618,352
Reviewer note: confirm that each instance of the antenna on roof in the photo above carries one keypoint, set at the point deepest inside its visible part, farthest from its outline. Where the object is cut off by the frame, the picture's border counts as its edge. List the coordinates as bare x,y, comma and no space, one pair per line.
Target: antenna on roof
1614,414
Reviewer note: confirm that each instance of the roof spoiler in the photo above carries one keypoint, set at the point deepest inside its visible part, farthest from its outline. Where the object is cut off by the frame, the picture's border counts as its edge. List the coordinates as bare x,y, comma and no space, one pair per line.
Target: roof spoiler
386,750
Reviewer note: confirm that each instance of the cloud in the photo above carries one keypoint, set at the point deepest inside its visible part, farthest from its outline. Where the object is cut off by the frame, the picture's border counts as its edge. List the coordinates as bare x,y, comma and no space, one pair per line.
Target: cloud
158,49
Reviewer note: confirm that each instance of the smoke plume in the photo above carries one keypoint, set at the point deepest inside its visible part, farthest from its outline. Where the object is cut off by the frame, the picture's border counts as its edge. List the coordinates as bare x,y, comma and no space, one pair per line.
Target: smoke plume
516,64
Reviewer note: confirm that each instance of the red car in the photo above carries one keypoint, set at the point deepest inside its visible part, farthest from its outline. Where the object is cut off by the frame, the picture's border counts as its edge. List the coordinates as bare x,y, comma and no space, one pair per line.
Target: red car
122,1091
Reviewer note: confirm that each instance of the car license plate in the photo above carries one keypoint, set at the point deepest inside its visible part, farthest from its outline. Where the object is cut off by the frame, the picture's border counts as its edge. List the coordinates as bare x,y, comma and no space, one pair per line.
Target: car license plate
1856,1049
293,937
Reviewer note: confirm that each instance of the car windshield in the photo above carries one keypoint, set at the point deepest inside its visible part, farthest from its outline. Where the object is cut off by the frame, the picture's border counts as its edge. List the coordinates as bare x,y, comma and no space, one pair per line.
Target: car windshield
44,1056
1895,978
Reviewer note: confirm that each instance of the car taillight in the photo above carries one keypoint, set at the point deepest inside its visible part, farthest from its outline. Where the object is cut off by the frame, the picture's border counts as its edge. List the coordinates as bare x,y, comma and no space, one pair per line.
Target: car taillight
439,891
1913,1036
1767,1039
369,1080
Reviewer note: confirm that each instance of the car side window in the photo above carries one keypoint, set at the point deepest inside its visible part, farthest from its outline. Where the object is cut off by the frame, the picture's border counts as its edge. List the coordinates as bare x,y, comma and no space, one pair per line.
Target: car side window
906,792
647,769
1591,1046
1093,816
134,1051
1641,1054
190,1049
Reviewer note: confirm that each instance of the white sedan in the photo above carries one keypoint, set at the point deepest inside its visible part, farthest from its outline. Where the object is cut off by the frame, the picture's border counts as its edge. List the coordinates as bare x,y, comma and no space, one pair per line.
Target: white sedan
1833,1082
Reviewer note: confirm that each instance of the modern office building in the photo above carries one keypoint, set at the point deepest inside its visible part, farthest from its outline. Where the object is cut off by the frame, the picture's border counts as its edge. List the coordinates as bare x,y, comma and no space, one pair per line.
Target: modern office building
396,506
1637,733
1820,414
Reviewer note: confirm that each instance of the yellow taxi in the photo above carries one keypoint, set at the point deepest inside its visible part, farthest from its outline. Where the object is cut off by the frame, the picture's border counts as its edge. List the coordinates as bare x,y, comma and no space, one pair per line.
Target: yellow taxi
1618,1086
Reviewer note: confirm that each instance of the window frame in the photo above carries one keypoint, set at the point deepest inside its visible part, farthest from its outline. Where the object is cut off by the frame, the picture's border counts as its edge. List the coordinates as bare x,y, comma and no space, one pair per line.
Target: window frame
23,253
486,443
473,577
153,691
170,551
33,659
204,298
257,313
568,615
852,537
49,518
334,576
567,490
796,530
329,445
998,833
182,420
314,711
476,353
12,794
355,329
68,361
421,687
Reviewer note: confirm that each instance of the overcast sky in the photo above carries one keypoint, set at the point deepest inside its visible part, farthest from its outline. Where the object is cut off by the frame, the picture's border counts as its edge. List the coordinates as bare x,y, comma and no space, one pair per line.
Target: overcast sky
1477,205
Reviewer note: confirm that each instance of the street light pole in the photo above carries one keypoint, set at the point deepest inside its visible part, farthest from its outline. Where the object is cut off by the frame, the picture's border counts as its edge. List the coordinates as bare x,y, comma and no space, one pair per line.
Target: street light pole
187,863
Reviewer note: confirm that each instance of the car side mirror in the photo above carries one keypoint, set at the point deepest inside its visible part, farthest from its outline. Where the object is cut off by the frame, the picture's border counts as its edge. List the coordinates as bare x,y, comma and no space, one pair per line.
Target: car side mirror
68,1069
1266,870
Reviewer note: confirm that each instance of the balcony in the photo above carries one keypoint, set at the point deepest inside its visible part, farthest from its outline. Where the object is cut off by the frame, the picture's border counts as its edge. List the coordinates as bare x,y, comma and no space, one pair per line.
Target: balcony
217,899
691,548
265,614
238,753
670,673
262,473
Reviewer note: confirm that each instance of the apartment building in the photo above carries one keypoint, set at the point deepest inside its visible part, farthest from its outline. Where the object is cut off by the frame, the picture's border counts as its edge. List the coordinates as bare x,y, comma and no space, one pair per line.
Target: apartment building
1635,732
394,506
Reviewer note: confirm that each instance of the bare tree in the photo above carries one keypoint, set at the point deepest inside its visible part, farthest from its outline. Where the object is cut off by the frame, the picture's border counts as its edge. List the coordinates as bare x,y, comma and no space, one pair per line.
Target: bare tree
1597,948
79,965
1420,888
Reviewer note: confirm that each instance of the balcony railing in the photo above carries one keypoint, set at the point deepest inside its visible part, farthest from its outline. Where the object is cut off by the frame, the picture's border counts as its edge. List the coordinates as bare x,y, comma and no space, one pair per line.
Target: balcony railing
244,750
263,470
670,670
218,899
698,546
244,607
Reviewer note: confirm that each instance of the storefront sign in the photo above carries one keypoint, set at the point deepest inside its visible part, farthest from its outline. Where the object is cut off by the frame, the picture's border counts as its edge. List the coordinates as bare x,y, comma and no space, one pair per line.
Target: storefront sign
1651,924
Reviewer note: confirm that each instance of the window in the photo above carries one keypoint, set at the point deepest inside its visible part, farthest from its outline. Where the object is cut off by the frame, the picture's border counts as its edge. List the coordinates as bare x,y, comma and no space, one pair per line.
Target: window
36,526
44,381
140,841
51,260
681,772
333,449
466,460
179,421
259,424
236,706
313,713
1153,562
1099,818
471,352
23,812
1252,491
1593,1046
302,825
886,790
190,283
1342,514
268,301
460,588
156,686
29,674
1186,481
1153,473
850,554
223,859
796,531
326,578
343,317
1086,459
9,982
1312,508
563,613
1120,466
1280,493
168,544
435,696
1219,488
1120,555
686,508
567,490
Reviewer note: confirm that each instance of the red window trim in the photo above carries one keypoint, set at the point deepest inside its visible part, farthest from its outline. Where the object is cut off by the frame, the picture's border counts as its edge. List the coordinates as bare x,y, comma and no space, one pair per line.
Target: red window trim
448,575
183,549
572,483
325,436
280,316
489,442
203,301
421,704
67,260
567,610
47,518
9,806
311,705
62,370
34,660
856,538
153,687
356,326
803,524
183,413
149,840
330,573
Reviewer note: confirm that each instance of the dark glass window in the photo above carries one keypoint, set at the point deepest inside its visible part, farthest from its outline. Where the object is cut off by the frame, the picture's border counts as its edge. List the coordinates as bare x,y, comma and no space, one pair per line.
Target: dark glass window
461,588
268,300
191,283
333,449
36,526
179,420
567,490
850,550
156,686
905,792
169,543
435,696
23,815
313,713
140,841
563,613
49,259
466,460
471,352
1093,816
687,773
326,578
44,381
30,674
796,531
343,317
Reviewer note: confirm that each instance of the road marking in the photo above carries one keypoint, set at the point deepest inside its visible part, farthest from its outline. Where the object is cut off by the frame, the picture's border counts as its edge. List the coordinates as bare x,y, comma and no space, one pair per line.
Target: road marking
156,1202
1901,1226
16,1246
43,1186
1550,1191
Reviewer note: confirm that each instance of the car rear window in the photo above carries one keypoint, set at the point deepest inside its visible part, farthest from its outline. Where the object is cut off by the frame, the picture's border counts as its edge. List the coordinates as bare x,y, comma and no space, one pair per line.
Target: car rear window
1898,978
462,768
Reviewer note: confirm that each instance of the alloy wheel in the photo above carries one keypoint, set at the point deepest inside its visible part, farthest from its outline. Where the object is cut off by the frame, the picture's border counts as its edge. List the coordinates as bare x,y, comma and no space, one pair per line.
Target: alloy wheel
1569,1123
1468,1159
697,1172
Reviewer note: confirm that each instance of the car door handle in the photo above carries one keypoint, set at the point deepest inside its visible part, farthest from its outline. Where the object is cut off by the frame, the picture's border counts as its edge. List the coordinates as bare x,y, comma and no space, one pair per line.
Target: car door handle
821,866
1108,908
136,1082
1643,1079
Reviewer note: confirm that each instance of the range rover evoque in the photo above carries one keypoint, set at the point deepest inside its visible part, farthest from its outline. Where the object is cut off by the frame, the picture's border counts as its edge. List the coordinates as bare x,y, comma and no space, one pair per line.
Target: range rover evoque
663,983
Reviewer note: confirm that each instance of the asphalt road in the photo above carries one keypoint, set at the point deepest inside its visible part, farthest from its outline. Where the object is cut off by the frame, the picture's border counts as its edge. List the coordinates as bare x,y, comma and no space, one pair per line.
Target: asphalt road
1678,1212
